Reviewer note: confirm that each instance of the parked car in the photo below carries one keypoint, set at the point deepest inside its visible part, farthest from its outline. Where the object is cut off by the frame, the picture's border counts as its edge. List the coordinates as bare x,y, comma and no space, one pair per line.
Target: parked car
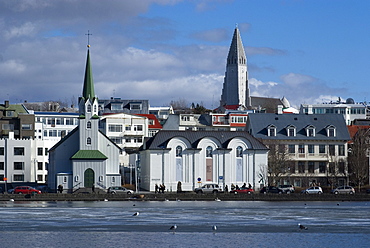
242,190
271,189
312,190
287,188
119,190
208,188
26,190
343,190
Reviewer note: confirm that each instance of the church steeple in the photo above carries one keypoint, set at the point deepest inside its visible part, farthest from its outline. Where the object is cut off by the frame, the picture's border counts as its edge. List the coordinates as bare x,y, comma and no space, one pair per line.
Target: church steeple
88,91
235,91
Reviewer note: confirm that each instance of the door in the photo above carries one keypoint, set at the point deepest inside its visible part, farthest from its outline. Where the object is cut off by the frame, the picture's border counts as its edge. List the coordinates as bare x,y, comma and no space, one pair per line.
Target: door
89,176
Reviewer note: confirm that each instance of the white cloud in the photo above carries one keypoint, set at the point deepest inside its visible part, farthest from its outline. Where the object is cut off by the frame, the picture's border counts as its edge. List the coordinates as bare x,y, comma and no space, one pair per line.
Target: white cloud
26,29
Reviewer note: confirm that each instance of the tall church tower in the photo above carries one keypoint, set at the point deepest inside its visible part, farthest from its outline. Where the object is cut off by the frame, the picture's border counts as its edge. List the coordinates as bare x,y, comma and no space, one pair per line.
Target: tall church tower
88,108
235,89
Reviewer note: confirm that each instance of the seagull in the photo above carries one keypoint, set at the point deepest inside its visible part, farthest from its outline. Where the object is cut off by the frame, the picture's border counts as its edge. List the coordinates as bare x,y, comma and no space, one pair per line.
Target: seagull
11,200
136,214
217,199
173,228
302,227
214,228
105,199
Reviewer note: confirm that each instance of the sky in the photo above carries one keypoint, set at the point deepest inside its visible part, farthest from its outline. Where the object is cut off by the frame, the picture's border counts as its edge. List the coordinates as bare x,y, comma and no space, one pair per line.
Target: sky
309,51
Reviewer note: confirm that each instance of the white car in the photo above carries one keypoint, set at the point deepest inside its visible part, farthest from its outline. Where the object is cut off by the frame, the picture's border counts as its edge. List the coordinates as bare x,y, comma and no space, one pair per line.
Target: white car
312,190
119,190
208,188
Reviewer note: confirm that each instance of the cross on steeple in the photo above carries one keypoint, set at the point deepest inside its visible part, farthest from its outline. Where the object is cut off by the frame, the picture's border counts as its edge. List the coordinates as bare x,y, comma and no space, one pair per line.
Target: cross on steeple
88,38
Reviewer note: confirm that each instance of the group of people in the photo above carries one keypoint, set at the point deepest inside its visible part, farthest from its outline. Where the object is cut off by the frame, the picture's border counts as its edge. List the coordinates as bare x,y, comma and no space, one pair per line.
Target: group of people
236,187
160,189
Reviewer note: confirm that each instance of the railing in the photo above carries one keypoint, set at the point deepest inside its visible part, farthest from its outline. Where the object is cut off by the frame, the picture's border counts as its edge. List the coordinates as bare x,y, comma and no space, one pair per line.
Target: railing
101,185
74,186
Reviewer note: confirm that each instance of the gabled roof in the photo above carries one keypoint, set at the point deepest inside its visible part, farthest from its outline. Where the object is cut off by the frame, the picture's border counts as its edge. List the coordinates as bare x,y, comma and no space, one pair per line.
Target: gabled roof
257,125
156,124
160,140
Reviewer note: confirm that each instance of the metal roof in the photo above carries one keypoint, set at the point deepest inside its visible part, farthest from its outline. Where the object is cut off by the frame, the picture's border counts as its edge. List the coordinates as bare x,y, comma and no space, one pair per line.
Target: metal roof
160,140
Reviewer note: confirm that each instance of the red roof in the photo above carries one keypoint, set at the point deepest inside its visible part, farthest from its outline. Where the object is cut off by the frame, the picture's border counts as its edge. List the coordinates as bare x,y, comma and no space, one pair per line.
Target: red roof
354,128
156,124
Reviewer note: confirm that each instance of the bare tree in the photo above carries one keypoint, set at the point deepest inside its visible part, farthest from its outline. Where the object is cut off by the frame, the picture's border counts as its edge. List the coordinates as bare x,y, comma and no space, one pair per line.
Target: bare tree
278,162
358,157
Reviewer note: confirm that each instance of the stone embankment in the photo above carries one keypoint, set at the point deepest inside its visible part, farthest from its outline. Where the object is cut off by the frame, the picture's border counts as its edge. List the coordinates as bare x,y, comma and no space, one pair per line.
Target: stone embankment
188,196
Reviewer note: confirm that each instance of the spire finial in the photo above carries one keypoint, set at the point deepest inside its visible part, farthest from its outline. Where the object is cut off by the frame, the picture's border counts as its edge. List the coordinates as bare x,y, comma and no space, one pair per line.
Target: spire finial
236,25
88,38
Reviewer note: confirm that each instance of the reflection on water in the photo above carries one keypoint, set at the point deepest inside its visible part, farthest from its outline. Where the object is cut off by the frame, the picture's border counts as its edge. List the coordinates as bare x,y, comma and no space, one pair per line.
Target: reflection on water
259,223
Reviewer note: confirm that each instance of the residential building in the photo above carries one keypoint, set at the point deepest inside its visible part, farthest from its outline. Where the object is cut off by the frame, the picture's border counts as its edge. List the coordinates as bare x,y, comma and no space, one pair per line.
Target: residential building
118,105
315,146
198,157
348,109
85,157
161,113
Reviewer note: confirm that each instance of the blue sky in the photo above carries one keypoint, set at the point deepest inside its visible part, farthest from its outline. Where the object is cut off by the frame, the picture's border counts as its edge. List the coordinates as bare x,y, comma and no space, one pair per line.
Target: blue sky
309,51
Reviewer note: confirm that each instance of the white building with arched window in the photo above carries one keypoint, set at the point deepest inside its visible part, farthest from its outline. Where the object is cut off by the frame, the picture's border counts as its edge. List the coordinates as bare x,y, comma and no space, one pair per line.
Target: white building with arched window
198,157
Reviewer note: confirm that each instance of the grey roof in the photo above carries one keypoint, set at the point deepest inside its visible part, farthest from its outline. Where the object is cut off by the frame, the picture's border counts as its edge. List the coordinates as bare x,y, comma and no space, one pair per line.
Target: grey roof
161,139
257,126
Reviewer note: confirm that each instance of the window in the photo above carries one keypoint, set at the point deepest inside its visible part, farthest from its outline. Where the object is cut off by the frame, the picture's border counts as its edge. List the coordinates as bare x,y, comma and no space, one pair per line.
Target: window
322,149
178,151
128,128
39,178
117,140
209,152
322,167
290,131
88,108
341,151
311,167
18,178
2,151
128,140
239,152
135,106
2,165
88,141
19,151
271,131
330,130
8,127
332,150
69,121
301,168
88,125
40,166
116,106
39,151
26,126
291,148
58,121
115,128
311,149
138,128
331,167
53,133
46,151
341,167
301,149
1,177
185,118
18,165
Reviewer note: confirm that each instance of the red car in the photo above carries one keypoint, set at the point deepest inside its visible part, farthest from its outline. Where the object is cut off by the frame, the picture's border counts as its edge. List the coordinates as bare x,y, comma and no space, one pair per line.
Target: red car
26,190
242,191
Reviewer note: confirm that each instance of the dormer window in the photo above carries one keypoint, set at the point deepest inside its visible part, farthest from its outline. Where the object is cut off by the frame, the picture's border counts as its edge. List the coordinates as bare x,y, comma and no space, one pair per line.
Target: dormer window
291,131
331,131
271,131
310,131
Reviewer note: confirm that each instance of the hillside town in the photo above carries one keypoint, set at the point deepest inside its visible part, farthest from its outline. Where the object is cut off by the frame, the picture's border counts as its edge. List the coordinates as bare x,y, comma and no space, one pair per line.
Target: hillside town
251,140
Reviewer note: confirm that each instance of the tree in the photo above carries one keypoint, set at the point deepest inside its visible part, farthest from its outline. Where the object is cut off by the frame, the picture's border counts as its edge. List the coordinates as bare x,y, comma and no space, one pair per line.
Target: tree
278,162
357,157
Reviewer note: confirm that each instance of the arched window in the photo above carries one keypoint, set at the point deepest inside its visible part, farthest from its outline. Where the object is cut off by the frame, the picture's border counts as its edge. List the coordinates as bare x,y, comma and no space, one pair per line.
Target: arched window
239,151
209,152
88,108
94,108
88,141
88,125
178,151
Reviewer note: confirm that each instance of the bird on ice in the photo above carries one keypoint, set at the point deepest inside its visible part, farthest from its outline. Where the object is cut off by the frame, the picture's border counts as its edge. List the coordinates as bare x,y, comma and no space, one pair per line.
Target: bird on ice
173,228
302,227
136,214
214,228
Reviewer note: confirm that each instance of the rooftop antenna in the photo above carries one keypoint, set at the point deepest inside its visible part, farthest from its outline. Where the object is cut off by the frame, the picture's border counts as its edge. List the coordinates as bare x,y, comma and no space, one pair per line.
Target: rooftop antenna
88,38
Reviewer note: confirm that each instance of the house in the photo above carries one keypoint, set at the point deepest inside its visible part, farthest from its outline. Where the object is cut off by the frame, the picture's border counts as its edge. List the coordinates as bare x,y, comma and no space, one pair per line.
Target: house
85,157
198,157
314,147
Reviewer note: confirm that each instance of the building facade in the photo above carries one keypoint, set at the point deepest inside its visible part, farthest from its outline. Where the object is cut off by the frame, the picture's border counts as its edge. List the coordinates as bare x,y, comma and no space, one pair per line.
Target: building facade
314,147
198,157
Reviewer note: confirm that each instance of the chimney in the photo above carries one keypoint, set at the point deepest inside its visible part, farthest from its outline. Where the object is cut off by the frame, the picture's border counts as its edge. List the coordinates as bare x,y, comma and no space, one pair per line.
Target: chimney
309,110
280,109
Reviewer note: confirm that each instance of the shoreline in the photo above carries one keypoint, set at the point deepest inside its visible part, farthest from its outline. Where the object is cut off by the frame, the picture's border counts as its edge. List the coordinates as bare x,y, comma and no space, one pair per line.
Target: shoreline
186,196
